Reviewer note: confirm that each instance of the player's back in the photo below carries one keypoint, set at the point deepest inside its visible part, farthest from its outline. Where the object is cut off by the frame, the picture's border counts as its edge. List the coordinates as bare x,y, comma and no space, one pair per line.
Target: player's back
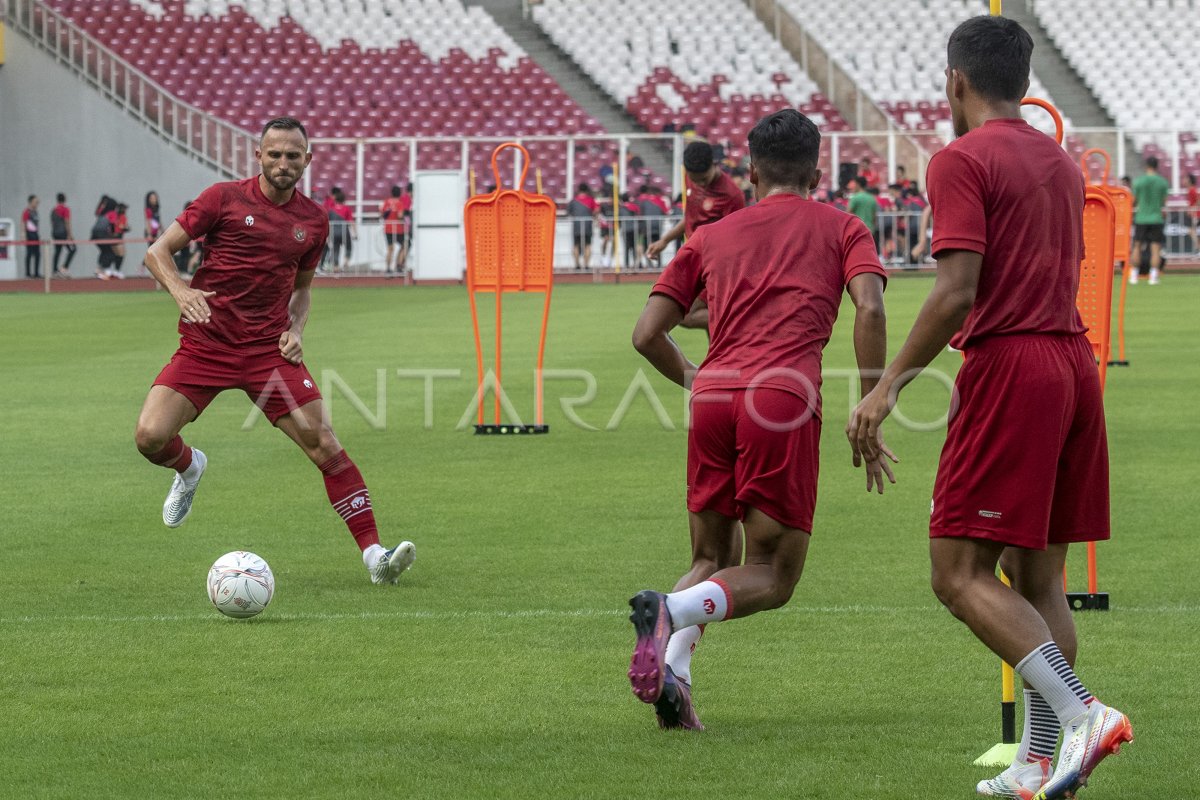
1011,193
774,274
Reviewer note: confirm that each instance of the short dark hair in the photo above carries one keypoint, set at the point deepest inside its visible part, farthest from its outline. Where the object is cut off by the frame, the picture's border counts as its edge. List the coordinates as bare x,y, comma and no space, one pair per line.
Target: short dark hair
993,52
32,197
698,157
396,191
784,148
1152,162
285,124
584,189
60,197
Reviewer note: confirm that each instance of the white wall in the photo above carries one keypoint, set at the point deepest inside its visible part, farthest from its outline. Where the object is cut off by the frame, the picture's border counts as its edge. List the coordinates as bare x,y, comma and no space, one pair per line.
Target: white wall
57,134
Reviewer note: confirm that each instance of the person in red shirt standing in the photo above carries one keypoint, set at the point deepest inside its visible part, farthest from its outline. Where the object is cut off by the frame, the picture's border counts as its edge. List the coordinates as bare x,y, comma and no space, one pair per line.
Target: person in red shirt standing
391,211
1193,201
33,243
342,229
583,211
1024,471
775,274
241,322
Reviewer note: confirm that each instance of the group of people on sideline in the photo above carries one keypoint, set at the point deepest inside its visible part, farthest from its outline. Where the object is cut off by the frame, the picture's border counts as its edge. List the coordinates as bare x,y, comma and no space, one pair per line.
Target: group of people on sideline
107,233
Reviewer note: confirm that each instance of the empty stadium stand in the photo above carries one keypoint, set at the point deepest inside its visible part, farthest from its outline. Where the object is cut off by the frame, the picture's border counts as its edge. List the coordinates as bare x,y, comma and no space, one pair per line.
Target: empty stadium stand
368,68
709,64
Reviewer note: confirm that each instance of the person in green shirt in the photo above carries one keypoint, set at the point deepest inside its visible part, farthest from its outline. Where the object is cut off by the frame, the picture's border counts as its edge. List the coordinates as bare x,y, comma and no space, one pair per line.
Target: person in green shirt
1149,196
864,206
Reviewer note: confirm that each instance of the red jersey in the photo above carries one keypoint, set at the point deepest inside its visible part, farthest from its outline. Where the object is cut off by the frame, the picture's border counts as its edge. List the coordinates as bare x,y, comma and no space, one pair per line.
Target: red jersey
62,212
153,225
774,275
253,251
394,211
1193,200
1010,193
710,203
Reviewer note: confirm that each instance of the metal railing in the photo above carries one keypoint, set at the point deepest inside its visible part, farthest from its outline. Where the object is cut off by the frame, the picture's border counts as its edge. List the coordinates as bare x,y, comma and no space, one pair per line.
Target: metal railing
210,140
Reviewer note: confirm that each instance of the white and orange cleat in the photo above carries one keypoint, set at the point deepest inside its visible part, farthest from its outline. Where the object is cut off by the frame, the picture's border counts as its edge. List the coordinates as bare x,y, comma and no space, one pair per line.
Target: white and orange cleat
1098,733
1021,782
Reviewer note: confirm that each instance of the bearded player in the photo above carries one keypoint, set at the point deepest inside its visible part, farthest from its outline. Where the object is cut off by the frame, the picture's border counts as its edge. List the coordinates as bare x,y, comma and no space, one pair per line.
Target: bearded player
241,325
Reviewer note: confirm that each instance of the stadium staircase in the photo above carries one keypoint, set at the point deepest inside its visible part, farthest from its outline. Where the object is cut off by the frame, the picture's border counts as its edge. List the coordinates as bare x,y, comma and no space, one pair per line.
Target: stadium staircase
1072,96
510,15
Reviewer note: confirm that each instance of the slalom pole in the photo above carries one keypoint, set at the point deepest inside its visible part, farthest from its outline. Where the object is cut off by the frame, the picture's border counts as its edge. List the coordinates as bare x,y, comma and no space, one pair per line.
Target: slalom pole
618,250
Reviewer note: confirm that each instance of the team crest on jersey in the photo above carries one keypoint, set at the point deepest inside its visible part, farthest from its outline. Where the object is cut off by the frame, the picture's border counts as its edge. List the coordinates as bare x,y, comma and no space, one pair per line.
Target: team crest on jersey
249,220
709,203
298,233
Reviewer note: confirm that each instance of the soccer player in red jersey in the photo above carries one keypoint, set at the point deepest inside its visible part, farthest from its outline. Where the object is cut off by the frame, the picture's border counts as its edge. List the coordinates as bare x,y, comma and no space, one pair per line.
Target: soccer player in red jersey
774,273
1024,471
241,322
711,195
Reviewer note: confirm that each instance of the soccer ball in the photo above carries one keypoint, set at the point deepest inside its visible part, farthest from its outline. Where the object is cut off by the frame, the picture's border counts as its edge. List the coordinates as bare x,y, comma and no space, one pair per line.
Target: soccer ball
240,584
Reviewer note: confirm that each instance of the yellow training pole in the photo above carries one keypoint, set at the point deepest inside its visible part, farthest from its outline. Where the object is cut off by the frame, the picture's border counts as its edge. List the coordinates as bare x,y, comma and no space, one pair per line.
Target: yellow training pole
618,249
472,171
537,173
996,8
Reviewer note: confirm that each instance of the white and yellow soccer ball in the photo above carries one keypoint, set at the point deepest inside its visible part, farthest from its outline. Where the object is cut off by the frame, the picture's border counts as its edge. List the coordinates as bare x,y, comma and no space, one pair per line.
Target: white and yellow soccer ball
240,584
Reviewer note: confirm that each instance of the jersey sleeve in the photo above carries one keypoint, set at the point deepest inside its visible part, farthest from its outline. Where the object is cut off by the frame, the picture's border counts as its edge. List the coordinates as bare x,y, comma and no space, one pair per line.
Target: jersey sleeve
202,214
956,185
682,280
858,251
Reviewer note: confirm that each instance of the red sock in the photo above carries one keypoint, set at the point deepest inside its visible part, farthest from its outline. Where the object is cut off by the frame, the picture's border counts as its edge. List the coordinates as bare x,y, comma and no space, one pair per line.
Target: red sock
348,494
176,455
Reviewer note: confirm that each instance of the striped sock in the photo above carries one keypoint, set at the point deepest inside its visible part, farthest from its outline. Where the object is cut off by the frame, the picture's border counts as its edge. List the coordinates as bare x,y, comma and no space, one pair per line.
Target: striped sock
1040,735
348,494
1048,672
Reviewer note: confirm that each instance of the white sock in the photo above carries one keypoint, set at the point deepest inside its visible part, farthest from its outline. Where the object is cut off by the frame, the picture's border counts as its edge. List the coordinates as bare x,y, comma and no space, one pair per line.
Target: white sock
1048,672
1153,273
704,602
192,473
373,554
680,649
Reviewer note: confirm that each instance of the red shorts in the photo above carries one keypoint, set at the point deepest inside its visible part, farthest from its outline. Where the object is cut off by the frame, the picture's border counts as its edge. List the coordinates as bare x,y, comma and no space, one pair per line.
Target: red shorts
273,383
1026,455
754,448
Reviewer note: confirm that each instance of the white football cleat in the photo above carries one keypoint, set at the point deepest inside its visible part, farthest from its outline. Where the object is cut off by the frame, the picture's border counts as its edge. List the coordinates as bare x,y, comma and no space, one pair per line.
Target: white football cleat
178,504
1017,781
1100,732
388,567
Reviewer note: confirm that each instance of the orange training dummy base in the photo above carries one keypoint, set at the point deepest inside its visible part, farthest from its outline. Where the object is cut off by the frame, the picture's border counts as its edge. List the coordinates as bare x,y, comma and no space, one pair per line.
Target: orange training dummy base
510,248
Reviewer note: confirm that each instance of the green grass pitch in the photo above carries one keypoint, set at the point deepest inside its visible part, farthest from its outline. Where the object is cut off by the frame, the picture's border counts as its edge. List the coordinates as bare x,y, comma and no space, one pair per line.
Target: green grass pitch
496,670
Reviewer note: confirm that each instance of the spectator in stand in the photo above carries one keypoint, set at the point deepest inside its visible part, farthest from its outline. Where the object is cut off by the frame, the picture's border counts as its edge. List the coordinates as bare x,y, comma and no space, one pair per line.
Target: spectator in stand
1149,196
1193,201
119,225
863,205
60,231
392,212
867,176
582,210
341,229
33,239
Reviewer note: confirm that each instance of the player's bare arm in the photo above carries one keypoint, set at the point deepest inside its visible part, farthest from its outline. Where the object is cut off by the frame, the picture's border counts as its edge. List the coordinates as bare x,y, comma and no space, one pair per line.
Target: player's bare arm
697,316
870,350
651,338
655,249
940,318
193,303
291,342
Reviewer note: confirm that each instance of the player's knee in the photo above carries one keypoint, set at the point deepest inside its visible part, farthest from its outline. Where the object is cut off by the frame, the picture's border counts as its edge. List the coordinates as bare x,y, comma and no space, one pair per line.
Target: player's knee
782,592
948,586
149,440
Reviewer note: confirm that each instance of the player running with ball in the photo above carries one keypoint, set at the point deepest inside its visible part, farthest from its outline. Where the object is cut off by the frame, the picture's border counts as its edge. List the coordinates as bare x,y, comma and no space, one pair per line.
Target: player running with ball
1024,471
774,274
241,322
